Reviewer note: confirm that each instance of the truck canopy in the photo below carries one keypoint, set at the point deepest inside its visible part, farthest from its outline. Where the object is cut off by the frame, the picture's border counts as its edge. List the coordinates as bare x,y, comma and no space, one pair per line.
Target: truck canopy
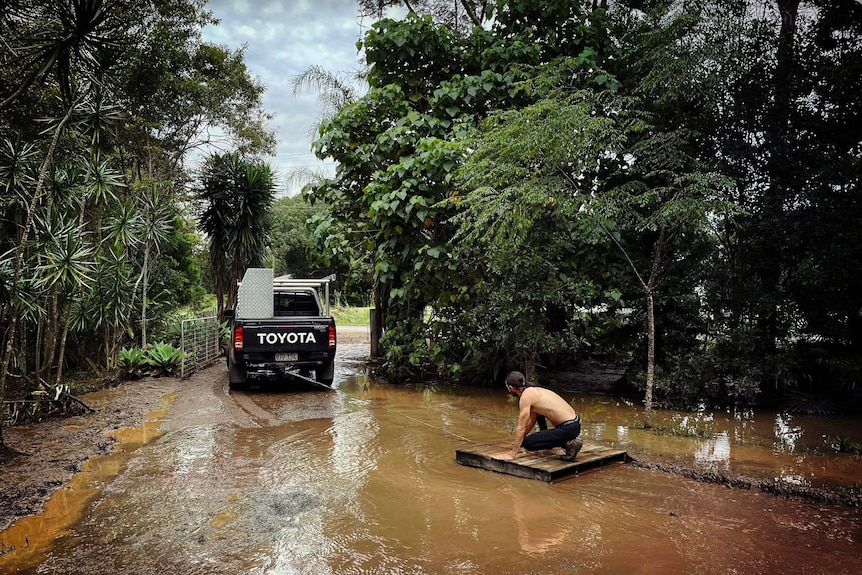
261,296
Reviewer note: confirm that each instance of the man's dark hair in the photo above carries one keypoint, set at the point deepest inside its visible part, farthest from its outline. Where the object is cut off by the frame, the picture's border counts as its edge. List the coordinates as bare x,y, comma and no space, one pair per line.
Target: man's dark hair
516,379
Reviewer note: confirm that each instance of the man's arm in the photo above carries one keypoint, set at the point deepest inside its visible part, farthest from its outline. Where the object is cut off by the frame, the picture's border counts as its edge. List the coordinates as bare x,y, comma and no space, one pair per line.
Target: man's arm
526,421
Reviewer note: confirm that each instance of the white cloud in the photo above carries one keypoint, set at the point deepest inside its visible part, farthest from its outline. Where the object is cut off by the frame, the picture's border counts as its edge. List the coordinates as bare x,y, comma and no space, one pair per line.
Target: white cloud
283,38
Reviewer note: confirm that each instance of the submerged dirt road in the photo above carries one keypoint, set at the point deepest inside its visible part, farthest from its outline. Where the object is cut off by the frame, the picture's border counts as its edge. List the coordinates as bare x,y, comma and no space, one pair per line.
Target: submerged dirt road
362,479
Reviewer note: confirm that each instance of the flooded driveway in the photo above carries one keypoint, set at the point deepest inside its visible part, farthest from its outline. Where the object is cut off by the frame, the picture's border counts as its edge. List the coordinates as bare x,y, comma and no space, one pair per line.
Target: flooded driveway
363,479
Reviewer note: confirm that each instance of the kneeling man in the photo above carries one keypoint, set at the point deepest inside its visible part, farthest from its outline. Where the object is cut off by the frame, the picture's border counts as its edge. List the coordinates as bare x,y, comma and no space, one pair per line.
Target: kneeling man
536,403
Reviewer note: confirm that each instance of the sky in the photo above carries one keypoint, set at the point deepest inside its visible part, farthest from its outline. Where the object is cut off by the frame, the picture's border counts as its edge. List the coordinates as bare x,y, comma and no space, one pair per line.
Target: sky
283,38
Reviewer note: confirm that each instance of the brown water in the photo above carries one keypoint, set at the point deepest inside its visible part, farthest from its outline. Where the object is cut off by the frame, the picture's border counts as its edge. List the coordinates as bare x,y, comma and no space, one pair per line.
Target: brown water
364,480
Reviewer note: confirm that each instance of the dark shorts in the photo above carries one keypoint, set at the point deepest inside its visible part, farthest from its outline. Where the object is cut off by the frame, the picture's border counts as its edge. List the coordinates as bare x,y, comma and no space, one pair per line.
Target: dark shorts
554,437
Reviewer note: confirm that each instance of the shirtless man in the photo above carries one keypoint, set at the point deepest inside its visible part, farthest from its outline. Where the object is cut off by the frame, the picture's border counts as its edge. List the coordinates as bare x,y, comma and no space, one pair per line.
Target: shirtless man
538,401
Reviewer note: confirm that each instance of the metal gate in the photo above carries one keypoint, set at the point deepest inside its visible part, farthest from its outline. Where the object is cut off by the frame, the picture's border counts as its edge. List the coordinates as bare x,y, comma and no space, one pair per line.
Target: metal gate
199,343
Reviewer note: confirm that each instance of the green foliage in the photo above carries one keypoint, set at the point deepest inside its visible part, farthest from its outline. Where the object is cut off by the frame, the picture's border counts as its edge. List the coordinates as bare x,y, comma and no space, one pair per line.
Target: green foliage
707,377
132,362
163,359
224,332
96,118
292,249
400,146
560,179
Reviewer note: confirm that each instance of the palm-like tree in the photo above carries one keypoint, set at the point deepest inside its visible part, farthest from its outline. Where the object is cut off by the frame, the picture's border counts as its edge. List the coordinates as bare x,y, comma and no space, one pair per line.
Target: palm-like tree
237,195
334,91
156,226
66,40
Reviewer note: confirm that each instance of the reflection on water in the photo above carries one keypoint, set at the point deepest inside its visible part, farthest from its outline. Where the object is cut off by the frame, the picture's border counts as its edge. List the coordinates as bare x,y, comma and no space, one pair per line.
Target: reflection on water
786,434
714,450
761,444
364,480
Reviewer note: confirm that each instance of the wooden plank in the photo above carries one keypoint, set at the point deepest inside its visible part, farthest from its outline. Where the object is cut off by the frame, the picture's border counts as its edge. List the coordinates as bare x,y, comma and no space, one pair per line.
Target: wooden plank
545,465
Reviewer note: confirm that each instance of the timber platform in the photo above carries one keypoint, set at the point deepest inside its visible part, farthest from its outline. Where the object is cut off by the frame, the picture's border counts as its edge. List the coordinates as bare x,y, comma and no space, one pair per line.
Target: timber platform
547,466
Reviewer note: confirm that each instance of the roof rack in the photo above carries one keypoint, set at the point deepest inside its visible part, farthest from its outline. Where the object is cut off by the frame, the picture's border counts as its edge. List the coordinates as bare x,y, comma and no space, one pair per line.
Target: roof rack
317,284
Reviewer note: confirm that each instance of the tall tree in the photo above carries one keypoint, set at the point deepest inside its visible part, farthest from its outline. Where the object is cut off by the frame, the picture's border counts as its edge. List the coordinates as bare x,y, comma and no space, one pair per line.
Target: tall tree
604,181
71,47
397,146
236,197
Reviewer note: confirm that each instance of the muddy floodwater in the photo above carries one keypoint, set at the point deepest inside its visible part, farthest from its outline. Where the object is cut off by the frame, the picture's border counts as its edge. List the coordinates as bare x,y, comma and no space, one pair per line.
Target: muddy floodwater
363,479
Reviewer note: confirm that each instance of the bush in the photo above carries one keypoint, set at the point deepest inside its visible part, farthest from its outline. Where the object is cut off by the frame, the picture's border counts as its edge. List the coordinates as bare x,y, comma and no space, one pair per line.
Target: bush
706,377
131,363
163,359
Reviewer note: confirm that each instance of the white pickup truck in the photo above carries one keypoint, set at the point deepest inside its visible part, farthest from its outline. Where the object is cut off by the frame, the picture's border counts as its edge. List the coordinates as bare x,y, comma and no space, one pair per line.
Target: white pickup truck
279,329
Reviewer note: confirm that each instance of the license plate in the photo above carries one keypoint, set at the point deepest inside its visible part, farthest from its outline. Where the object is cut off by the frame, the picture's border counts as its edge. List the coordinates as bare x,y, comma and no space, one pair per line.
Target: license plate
286,356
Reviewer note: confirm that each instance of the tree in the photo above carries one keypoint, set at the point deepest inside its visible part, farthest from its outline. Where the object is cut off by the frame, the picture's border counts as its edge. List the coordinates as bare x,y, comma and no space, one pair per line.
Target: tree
72,49
457,14
156,225
397,147
591,167
768,84
236,195
334,91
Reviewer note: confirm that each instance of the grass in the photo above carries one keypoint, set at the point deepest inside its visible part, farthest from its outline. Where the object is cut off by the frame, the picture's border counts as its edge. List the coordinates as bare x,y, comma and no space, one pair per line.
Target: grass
351,315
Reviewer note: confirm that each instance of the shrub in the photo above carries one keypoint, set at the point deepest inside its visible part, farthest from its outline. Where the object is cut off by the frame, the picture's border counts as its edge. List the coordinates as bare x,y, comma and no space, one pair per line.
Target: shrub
224,332
163,359
131,363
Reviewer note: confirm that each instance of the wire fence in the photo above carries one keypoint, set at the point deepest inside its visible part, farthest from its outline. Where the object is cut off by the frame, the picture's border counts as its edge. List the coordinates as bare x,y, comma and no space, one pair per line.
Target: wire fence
199,344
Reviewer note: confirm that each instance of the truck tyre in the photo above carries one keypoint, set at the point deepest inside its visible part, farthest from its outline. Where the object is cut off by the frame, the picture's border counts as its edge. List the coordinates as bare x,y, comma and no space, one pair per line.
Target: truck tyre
326,373
236,376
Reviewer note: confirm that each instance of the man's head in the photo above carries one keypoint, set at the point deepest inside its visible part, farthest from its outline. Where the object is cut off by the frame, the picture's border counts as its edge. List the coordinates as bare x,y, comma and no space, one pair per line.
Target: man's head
516,381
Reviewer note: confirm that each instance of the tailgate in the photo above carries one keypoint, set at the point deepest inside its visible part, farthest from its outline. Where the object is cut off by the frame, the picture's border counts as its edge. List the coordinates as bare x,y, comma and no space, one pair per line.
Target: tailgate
285,337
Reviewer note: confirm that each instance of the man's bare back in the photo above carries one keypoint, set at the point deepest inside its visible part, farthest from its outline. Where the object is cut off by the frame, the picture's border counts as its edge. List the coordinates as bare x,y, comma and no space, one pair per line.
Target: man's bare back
541,401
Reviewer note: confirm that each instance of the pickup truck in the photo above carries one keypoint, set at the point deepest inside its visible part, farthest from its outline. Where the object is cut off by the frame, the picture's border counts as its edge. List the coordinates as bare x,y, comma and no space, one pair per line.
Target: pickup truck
280,331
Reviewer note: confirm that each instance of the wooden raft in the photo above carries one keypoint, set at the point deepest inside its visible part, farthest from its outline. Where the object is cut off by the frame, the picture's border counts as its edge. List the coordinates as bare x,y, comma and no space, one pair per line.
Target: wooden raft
543,465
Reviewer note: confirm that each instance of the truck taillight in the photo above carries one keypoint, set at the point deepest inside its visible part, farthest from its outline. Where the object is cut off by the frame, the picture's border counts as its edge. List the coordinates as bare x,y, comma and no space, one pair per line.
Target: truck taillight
332,337
237,338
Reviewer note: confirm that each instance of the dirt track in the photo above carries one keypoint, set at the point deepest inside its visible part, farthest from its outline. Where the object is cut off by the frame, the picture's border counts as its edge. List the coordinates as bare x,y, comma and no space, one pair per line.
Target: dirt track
52,451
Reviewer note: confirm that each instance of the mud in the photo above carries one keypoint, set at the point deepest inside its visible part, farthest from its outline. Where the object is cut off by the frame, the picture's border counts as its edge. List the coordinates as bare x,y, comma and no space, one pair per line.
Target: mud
42,456
839,496
39,458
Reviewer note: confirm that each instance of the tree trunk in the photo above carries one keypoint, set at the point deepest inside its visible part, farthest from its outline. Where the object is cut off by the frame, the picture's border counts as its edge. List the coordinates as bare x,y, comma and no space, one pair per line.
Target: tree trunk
651,335
530,374
650,374
51,334
648,287
144,277
62,355
381,295
770,233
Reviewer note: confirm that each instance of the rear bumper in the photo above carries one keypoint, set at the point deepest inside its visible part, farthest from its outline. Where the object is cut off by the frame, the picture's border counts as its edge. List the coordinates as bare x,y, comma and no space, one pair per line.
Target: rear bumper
262,366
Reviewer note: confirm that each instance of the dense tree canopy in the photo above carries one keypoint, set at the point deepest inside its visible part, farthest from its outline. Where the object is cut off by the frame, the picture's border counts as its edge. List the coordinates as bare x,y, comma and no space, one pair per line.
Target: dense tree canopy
705,175
236,195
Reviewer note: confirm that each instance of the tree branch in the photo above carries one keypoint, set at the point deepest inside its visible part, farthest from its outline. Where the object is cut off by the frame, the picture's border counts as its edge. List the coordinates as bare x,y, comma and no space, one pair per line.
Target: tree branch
471,13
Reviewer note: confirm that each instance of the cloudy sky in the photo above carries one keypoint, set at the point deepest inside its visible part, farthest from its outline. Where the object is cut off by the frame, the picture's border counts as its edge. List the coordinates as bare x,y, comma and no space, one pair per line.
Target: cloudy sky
283,38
